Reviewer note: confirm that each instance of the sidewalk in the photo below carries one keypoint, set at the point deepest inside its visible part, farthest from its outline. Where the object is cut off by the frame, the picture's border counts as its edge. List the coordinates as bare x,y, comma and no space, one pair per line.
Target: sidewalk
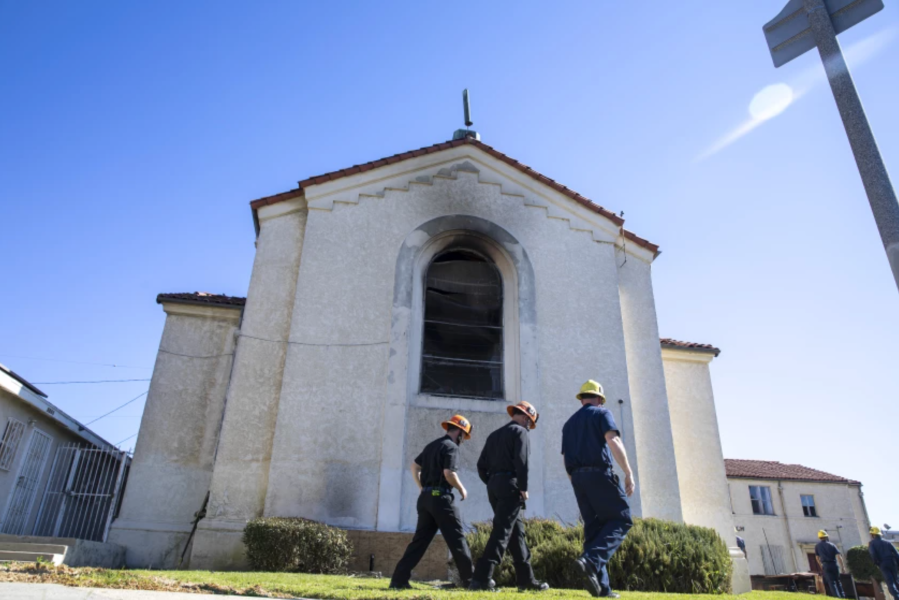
52,591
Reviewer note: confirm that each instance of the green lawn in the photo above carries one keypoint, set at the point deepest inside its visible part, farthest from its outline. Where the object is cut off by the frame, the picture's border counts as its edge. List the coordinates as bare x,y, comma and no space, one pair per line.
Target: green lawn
288,585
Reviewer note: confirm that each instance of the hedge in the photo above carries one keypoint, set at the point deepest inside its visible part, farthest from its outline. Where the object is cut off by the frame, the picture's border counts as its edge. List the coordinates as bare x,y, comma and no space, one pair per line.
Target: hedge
656,556
293,544
861,565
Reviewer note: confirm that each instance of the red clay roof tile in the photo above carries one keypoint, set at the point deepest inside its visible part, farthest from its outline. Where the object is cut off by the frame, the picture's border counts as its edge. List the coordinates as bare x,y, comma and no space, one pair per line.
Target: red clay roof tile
202,298
677,344
767,469
319,179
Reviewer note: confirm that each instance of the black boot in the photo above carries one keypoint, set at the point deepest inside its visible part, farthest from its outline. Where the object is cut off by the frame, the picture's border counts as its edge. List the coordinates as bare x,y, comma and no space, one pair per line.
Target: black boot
482,586
399,586
591,584
482,579
533,586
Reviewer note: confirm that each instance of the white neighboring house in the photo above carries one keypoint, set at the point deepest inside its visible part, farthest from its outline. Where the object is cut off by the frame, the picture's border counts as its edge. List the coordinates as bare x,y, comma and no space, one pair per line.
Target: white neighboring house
57,478
779,509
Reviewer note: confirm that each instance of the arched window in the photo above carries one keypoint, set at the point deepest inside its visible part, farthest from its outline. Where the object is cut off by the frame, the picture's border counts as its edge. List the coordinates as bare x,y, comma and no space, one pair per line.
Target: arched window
462,351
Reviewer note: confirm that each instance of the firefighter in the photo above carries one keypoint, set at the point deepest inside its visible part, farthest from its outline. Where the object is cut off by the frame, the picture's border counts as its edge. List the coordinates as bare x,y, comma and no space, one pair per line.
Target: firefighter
828,554
503,466
886,557
434,472
590,439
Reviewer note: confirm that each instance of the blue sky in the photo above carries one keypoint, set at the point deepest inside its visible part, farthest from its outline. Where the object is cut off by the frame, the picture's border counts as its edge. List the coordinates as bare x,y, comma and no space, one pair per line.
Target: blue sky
133,135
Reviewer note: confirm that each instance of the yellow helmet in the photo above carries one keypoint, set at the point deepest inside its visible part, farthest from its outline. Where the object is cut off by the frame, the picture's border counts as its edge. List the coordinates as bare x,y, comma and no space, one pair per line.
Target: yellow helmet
874,531
822,534
591,388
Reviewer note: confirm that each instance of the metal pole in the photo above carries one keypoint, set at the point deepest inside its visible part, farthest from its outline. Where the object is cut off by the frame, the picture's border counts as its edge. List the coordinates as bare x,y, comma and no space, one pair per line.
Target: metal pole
874,174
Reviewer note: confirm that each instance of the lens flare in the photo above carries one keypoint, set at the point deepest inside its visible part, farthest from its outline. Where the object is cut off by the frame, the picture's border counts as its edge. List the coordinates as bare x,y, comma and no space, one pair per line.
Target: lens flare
771,101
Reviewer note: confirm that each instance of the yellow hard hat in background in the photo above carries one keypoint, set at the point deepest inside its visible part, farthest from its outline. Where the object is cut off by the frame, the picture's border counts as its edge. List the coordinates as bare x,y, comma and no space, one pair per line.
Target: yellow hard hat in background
875,531
591,388
822,534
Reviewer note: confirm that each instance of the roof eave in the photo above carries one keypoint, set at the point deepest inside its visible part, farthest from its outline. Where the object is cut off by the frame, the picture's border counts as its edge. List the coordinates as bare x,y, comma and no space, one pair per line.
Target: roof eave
304,184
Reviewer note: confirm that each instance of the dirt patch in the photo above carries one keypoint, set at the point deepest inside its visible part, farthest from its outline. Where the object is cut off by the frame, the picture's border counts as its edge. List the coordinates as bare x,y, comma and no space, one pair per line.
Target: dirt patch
110,578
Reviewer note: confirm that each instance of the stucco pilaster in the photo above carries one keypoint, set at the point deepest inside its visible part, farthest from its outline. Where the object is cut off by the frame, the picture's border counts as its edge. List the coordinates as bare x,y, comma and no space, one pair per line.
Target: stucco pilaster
240,476
178,433
658,473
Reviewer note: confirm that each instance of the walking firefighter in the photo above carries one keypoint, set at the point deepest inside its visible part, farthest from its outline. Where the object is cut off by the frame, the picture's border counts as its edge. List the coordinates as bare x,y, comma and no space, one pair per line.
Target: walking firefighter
886,557
434,472
503,466
828,554
590,439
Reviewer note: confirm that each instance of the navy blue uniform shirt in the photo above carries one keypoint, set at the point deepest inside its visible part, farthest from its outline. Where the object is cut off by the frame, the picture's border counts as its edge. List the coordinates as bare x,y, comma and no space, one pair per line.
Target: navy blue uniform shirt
584,438
883,553
442,453
827,552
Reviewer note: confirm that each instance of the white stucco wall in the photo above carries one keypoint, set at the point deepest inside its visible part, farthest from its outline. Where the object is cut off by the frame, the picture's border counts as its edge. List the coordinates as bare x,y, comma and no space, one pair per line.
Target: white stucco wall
241,473
837,504
173,459
322,414
657,467
697,443
333,412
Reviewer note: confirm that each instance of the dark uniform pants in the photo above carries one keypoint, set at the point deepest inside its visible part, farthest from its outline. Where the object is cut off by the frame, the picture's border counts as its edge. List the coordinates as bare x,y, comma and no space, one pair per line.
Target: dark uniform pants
891,578
606,516
832,579
508,531
435,512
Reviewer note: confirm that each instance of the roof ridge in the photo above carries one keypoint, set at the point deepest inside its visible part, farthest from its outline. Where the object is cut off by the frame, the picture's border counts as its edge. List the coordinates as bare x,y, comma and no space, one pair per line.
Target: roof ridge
395,158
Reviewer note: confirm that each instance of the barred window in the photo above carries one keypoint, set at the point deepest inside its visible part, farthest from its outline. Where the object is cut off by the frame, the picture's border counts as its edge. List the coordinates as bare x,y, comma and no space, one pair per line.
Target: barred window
462,353
9,443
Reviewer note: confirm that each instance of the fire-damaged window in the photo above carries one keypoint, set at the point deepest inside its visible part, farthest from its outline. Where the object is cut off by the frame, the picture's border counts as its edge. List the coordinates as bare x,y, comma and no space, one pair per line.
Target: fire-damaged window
462,353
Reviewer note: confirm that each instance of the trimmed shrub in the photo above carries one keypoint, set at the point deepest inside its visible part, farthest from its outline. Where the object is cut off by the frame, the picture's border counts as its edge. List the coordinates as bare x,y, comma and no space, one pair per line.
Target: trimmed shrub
861,565
293,544
656,556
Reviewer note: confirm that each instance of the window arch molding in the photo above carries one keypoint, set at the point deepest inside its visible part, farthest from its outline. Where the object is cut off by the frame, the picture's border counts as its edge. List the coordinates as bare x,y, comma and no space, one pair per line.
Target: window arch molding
404,354
479,244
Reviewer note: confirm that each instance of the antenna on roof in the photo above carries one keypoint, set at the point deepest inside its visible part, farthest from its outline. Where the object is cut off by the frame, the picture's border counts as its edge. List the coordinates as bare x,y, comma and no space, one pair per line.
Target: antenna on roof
461,134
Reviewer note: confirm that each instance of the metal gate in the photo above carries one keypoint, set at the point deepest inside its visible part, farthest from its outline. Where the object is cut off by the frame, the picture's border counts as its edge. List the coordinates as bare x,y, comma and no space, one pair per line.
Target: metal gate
81,493
21,499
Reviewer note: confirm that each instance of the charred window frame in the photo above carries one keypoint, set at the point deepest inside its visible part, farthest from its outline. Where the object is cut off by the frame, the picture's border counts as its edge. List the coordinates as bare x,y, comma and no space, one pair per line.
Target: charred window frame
462,331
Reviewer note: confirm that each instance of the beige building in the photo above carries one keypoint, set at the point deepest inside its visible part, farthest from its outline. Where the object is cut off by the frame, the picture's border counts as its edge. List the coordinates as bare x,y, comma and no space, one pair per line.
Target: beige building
383,299
779,509
57,477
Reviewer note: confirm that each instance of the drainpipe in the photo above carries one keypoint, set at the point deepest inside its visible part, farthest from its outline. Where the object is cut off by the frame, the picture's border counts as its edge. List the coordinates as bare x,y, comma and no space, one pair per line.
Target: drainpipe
783,507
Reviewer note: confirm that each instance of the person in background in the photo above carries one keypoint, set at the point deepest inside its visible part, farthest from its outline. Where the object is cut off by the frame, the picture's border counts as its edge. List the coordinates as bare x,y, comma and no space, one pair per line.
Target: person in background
886,557
741,543
828,554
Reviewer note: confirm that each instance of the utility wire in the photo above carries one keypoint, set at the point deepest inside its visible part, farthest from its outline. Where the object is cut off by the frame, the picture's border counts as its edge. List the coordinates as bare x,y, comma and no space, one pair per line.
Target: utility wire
99,381
117,408
77,362
126,439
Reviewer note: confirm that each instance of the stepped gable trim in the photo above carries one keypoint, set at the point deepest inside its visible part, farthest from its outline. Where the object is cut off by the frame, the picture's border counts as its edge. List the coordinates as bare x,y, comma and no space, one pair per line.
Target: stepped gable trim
679,345
203,299
564,190
769,469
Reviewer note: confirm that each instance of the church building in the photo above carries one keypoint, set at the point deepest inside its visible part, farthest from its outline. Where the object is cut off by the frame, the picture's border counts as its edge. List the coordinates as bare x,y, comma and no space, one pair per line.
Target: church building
385,298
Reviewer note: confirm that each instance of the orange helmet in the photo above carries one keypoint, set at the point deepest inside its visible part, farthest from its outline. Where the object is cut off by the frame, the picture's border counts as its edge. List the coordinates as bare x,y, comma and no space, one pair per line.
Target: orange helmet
527,409
459,422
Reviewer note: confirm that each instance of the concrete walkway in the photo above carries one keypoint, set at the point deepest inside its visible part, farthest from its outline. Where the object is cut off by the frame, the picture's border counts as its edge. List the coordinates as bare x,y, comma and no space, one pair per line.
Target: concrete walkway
52,591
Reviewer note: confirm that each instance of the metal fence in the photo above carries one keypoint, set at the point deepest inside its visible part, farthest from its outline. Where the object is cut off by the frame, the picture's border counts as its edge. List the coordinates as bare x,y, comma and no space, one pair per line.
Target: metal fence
82,492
